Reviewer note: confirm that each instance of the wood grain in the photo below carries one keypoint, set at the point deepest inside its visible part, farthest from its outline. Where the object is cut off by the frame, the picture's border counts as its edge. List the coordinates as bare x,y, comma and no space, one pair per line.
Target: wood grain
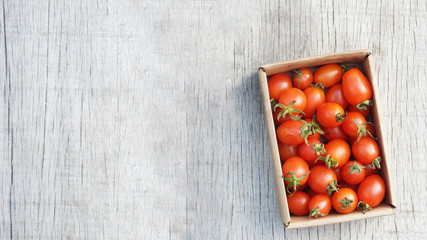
143,119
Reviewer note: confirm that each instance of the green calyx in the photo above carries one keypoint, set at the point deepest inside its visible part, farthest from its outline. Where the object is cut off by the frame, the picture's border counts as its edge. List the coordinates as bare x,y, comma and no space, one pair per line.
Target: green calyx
329,161
364,206
362,130
345,203
298,74
355,168
289,110
319,148
376,163
293,181
332,186
364,105
318,85
345,68
340,117
310,128
315,213
273,102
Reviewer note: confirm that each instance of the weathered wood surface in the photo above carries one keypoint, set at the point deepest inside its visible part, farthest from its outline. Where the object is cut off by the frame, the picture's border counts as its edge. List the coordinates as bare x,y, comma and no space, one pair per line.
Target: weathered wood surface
143,119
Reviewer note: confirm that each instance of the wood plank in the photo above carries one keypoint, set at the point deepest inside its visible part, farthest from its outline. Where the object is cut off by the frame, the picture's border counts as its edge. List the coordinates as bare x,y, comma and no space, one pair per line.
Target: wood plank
143,119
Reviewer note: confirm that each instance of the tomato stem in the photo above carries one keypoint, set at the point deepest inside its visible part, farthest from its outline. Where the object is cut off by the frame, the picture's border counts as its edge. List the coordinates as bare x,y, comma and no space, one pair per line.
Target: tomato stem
355,168
298,74
362,130
346,203
376,163
332,186
329,161
364,105
288,110
345,68
340,117
315,212
319,148
318,85
294,182
364,206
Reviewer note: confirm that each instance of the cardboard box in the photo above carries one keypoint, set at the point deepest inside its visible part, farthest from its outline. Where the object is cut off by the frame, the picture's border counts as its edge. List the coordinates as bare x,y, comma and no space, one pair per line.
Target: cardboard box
365,59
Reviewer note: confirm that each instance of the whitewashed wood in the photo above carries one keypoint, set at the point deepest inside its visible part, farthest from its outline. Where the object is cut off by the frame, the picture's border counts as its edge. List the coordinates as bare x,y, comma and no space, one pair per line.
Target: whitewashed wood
143,119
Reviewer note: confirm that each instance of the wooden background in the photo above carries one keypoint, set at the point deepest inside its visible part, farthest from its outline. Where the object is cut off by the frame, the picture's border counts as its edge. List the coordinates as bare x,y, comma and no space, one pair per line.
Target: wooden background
143,119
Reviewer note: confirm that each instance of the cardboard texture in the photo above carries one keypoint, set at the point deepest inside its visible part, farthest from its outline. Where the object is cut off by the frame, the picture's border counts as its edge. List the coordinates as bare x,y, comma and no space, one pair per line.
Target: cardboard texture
365,59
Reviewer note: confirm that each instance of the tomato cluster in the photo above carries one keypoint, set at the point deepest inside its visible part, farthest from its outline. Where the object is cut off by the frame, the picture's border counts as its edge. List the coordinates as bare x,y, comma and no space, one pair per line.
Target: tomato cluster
327,146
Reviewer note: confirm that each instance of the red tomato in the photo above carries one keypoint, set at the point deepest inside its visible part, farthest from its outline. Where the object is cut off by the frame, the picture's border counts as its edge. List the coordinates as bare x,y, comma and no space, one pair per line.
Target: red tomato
322,180
295,173
356,86
298,203
353,172
315,97
277,84
364,112
344,201
286,151
367,152
311,151
335,94
320,205
338,172
328,75
353,124
337,153
335,133
371,192
330,115
292,101
289,132
302,78
311,193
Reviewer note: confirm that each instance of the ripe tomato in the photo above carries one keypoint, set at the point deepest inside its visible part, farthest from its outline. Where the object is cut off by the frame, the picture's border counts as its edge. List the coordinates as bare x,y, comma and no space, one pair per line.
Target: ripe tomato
335,94
277,84
330,115
315,97
311,193
354,124
298,203
292,101
335,133
338,172
295,173
328,75
302,78
356,86
311,151
337,153
344,201
289,132
353,172
320,205
367,152
322,180
364,112
286,151
371,192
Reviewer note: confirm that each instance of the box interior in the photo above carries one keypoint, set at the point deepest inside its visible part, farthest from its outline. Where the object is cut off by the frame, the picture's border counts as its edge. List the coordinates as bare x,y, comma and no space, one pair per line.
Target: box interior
364,61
